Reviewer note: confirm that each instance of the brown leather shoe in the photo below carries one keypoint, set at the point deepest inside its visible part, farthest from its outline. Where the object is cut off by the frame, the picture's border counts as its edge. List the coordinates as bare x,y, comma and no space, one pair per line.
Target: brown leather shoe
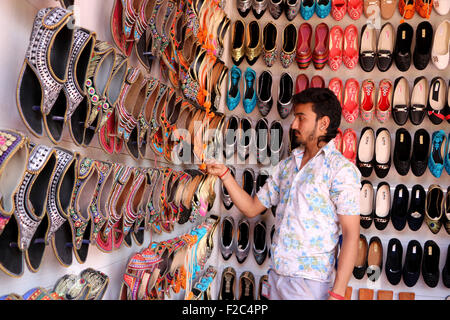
388,8
375,259
361,262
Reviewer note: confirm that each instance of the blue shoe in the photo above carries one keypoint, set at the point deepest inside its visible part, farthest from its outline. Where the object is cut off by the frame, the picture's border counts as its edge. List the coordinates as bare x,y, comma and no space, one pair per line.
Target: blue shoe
436,159
323,8
307,8
249,90
233,95
447,155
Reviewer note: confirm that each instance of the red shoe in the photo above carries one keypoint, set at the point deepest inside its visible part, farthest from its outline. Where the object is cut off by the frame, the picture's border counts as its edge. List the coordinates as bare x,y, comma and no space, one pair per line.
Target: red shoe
355,9
302,83
336,44
351,51
117,29
338,140
384,105
349,145
338,9
337,87
367,100
320,53
350,109
317,82
304,53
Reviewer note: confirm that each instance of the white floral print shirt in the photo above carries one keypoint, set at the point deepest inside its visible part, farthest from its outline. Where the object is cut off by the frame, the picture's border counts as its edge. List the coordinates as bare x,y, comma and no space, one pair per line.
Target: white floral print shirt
308,203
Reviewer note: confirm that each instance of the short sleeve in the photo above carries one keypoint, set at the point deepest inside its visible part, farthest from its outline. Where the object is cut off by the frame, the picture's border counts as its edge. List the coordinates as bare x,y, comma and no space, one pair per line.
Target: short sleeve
345,190
269,194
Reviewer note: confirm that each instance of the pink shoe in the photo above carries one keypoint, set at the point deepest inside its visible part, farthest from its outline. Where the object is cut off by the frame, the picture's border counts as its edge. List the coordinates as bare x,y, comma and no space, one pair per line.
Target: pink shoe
336,43
350,108
351,52
349,145
367,100
384,105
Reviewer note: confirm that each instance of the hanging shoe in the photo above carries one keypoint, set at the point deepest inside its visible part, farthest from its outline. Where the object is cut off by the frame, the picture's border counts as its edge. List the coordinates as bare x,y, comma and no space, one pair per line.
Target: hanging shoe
384,104
253,46
407,8
307,8
382,206
436,157
259,242
317,82
249,98
349,145
368,47
227,284
262,141
270,52
227,202
401,101
442,7
355,9
419,100
323,8
416,211
336,44
382,152
43,76
276,145
350,107
433,208
402,49
338,9
321,48
259,8
350,49
304,52
227,238
424,42
371,9
242,240
367,100
436,100
238,42
284,104
234,94
243,7
388,8
385,47
301,83
245,138
276,8
337,87
288,52
402,151
265,100
367,204
424,8
366,152
421,148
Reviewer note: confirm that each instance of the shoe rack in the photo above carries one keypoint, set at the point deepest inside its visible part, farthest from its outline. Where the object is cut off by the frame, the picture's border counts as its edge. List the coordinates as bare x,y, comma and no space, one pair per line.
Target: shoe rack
421,290
93,15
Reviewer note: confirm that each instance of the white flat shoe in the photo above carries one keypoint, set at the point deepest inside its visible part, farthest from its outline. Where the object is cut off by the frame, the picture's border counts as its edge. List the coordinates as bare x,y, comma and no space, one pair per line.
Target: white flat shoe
441,43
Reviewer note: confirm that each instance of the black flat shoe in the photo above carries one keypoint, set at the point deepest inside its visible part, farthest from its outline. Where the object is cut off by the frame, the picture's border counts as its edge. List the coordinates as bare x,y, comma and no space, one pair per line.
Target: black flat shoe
366,203
424,41
385,47
402,151
411,267
366,152
437,100
400,207
393,267
382,206
226,244
227,284
382,152
401,101
430,263
368,47
264,94
226,199
259,242
285,92
446,270
242,247
421,148
374,259
243,7
416,212
259,8
419,99
402,51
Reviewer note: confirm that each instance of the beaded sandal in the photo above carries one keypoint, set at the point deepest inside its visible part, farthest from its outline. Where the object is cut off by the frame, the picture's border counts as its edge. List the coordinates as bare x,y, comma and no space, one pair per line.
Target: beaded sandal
155,137
72,287
82,50
155,204
44,70
98,282
144,118
137,230
61,187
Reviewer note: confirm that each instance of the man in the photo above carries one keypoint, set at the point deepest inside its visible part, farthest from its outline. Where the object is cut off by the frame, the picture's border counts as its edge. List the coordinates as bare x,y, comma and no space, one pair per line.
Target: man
316,191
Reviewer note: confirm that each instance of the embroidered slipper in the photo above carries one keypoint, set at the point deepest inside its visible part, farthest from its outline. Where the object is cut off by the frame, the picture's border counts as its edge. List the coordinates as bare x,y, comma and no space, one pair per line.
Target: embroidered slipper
72,287
349,145
108,138
155,137
138,227
144,118
155,210
98,282
117,28
42,77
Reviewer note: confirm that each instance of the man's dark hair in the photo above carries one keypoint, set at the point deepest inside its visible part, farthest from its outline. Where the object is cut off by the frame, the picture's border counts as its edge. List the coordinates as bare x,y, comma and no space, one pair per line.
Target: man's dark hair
325,103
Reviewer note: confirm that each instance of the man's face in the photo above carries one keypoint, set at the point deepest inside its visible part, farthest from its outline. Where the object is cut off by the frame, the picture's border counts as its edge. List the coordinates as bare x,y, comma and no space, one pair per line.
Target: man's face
305,124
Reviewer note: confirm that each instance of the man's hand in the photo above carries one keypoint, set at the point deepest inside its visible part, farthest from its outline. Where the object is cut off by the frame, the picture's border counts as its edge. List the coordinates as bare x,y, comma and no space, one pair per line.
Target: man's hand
214,168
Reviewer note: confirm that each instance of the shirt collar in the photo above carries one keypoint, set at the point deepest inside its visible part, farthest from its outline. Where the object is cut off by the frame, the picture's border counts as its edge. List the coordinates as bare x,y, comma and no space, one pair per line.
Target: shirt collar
300,151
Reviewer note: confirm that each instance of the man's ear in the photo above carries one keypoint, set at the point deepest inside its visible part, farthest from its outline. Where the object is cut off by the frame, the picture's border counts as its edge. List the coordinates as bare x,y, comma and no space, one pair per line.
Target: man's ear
324,123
